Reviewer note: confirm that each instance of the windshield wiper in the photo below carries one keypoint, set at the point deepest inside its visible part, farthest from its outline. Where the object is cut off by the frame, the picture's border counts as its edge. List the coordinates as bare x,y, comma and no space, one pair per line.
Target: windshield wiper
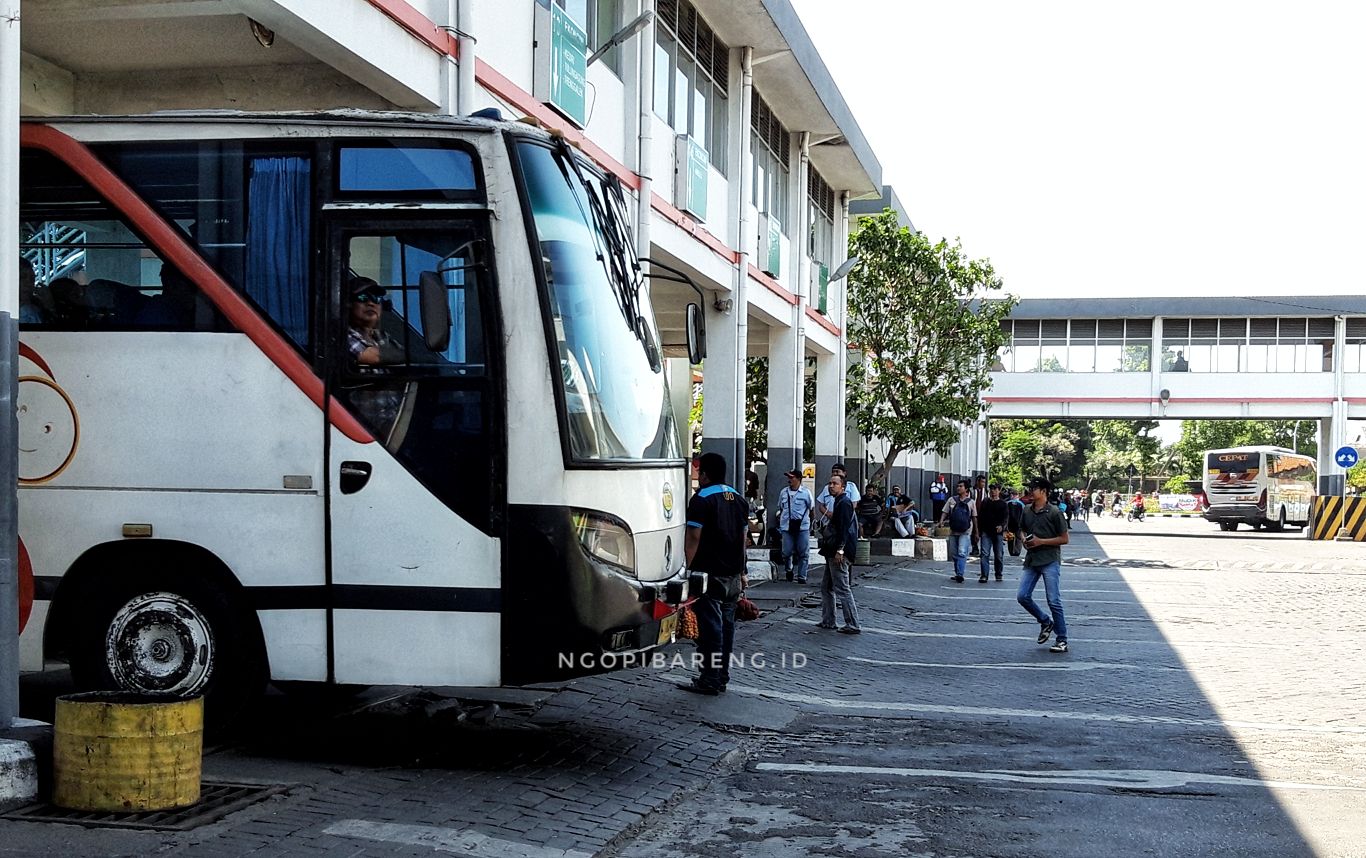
614,243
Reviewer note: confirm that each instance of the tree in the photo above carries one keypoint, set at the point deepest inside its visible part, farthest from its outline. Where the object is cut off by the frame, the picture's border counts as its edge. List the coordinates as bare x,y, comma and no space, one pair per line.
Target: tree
928,321
1356,477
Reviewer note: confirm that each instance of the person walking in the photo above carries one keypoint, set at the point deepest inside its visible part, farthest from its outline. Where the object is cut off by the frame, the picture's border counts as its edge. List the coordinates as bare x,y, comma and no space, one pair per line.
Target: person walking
960,513
979,494
1045,532
1014,518
718,517
991,521
939,495
794,516
840,541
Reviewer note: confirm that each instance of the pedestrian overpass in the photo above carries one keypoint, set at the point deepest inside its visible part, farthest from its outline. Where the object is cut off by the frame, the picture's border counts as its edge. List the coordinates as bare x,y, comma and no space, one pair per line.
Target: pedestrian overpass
1289,357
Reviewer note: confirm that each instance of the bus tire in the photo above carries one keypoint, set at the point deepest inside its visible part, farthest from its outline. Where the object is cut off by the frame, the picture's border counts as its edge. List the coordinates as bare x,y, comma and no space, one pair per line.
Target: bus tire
1280,522
158,633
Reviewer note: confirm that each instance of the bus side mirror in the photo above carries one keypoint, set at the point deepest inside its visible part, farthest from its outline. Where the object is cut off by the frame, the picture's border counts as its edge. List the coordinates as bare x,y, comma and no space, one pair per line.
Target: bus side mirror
697,334
435,306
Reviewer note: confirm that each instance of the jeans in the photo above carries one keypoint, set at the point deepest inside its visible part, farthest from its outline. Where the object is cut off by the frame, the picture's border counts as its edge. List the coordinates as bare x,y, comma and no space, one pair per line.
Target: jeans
958,552
993,548
715,639
836,583
797,552
1050,574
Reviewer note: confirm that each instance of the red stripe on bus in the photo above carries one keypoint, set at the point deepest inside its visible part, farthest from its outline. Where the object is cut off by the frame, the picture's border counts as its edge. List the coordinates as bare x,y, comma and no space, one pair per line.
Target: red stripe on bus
25,351
172,247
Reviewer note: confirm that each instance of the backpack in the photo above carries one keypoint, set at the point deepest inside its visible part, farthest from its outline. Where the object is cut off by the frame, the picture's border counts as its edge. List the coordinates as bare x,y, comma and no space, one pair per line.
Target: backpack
960,517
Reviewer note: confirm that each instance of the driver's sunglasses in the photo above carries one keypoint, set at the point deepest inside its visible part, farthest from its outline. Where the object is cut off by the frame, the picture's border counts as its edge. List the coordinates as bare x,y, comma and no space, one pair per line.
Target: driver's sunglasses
369,298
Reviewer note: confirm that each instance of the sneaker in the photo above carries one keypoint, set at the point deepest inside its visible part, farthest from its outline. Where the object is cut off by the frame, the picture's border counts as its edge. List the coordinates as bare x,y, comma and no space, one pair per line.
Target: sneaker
698,687
789,576
957,579
1060,646
982,579
1045,632
829,626
998,577
801,580
855,630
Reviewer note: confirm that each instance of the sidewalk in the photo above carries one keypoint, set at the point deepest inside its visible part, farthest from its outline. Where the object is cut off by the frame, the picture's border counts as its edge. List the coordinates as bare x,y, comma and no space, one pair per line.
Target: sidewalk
563,770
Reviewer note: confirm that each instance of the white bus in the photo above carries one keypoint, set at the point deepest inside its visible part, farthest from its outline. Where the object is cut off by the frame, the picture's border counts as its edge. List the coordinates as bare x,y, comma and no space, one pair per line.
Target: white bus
340,398
1259,486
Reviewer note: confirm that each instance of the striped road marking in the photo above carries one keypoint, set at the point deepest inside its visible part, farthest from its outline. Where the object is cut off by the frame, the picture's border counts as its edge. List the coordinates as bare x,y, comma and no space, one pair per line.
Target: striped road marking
1056,667
460,840
1132,779
1059,714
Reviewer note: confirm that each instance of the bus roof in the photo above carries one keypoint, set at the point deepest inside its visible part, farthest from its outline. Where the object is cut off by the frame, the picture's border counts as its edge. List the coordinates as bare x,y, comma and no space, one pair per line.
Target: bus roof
326,123
1259,449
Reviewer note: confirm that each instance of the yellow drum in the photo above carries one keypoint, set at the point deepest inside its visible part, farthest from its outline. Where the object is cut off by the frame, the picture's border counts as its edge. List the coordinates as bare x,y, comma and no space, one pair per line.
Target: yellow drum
125,752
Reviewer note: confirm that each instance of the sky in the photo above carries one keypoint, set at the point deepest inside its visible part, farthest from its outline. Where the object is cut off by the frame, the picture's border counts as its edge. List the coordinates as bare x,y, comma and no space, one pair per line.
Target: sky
1109,149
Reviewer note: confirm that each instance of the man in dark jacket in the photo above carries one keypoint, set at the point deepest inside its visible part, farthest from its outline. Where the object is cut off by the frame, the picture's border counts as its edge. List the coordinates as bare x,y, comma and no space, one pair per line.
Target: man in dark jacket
837,574
991,520
715,544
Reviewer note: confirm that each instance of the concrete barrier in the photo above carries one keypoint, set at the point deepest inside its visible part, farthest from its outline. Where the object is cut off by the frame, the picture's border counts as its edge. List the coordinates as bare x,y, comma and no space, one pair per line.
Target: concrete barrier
931,548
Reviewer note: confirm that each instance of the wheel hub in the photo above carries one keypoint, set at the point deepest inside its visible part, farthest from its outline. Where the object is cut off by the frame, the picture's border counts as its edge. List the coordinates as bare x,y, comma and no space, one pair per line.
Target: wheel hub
160,642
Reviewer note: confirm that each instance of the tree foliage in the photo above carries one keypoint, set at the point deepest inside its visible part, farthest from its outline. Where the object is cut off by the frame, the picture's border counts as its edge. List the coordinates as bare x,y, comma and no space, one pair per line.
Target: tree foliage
928,321
756,412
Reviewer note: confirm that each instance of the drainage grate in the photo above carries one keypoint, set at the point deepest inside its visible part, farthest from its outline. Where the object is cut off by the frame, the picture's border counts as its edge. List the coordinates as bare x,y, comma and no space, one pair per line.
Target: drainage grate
216,800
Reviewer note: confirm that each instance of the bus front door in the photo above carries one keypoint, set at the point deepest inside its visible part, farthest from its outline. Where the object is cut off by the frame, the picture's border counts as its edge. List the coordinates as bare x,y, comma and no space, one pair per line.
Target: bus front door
413,556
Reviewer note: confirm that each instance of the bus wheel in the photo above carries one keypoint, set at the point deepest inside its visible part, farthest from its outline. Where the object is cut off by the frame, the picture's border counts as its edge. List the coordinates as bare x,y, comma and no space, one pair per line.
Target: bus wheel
155,636
1279,526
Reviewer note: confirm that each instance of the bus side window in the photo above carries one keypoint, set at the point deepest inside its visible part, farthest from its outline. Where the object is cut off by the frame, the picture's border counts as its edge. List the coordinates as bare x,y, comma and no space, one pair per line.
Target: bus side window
91,270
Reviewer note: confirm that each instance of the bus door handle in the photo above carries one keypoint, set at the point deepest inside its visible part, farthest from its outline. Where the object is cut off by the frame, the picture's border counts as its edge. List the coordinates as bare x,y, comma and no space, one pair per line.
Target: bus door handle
354,476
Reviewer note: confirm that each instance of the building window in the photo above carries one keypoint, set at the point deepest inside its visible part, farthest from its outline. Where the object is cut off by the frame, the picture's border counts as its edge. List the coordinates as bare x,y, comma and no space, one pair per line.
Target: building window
1077,345
821,200
604,19
692,75
1247,345
769,141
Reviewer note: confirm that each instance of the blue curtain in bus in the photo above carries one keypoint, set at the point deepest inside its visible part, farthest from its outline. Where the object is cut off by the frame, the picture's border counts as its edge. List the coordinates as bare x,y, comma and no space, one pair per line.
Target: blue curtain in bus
278,205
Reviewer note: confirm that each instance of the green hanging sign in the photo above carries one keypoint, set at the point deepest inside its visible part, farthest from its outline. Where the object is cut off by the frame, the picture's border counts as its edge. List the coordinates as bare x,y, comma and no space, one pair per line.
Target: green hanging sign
568,65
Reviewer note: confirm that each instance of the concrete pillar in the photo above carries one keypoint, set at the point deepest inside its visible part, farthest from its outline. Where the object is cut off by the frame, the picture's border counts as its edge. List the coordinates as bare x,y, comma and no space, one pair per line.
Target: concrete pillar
1332,435
829,414
786,392
723,390
1333,430
9,361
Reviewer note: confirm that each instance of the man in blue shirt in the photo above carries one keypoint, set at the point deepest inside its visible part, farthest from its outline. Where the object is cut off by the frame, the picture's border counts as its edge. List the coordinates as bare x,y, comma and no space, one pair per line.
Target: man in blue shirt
794,521
718,517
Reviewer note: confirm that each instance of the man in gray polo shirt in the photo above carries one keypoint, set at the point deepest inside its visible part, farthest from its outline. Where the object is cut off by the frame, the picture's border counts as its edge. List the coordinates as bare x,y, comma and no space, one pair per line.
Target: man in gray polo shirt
1045,532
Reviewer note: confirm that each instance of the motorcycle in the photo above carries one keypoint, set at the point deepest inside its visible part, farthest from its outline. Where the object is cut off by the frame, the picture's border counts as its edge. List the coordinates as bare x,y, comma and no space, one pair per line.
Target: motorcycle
1136,513
1116,511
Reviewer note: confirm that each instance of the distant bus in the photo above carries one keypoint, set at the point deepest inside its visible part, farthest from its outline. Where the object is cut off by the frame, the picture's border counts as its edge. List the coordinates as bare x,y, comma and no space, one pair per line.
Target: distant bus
1259,486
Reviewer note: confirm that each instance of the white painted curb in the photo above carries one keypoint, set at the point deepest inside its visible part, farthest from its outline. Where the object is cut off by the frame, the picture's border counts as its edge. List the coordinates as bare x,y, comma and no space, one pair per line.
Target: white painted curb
18,771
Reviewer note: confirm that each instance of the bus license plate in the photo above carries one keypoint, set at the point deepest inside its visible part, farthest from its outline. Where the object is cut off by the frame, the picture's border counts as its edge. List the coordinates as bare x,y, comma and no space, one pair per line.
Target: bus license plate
667,627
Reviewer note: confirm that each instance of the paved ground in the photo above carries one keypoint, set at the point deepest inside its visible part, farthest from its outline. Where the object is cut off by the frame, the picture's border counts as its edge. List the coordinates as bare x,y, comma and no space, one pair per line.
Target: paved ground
1204,709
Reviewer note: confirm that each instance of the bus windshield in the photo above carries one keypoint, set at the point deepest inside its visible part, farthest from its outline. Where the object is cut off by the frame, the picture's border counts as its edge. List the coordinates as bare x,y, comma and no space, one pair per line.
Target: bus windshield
615,395
1233,470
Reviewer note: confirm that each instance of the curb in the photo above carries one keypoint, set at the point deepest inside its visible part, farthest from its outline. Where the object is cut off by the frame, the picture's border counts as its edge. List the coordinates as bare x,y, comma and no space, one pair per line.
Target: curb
22,746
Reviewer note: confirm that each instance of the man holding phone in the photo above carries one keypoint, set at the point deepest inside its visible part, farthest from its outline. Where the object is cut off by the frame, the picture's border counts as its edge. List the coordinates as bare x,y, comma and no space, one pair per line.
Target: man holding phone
1045,532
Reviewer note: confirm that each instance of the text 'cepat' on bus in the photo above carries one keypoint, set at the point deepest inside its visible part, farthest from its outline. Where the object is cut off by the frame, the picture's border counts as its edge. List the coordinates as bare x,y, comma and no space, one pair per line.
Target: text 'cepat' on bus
289,389
1262,487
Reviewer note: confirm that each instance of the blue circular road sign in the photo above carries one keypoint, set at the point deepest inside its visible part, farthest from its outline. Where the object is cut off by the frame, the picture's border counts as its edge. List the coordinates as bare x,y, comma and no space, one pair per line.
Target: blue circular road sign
1346,457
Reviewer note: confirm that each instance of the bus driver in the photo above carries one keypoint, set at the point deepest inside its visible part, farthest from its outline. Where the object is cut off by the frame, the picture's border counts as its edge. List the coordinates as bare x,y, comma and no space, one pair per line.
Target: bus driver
371,348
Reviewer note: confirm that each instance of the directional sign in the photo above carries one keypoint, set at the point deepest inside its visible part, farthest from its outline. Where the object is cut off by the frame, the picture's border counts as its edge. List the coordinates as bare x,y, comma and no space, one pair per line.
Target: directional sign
1346,457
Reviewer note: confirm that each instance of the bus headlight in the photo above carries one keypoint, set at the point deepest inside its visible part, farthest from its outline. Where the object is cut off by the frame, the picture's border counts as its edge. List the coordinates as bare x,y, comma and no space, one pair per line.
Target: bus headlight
606,538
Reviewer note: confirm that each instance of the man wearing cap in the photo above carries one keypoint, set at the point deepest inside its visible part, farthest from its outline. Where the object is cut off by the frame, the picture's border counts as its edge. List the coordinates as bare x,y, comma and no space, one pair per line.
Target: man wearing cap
371,348
794,520
1045,532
